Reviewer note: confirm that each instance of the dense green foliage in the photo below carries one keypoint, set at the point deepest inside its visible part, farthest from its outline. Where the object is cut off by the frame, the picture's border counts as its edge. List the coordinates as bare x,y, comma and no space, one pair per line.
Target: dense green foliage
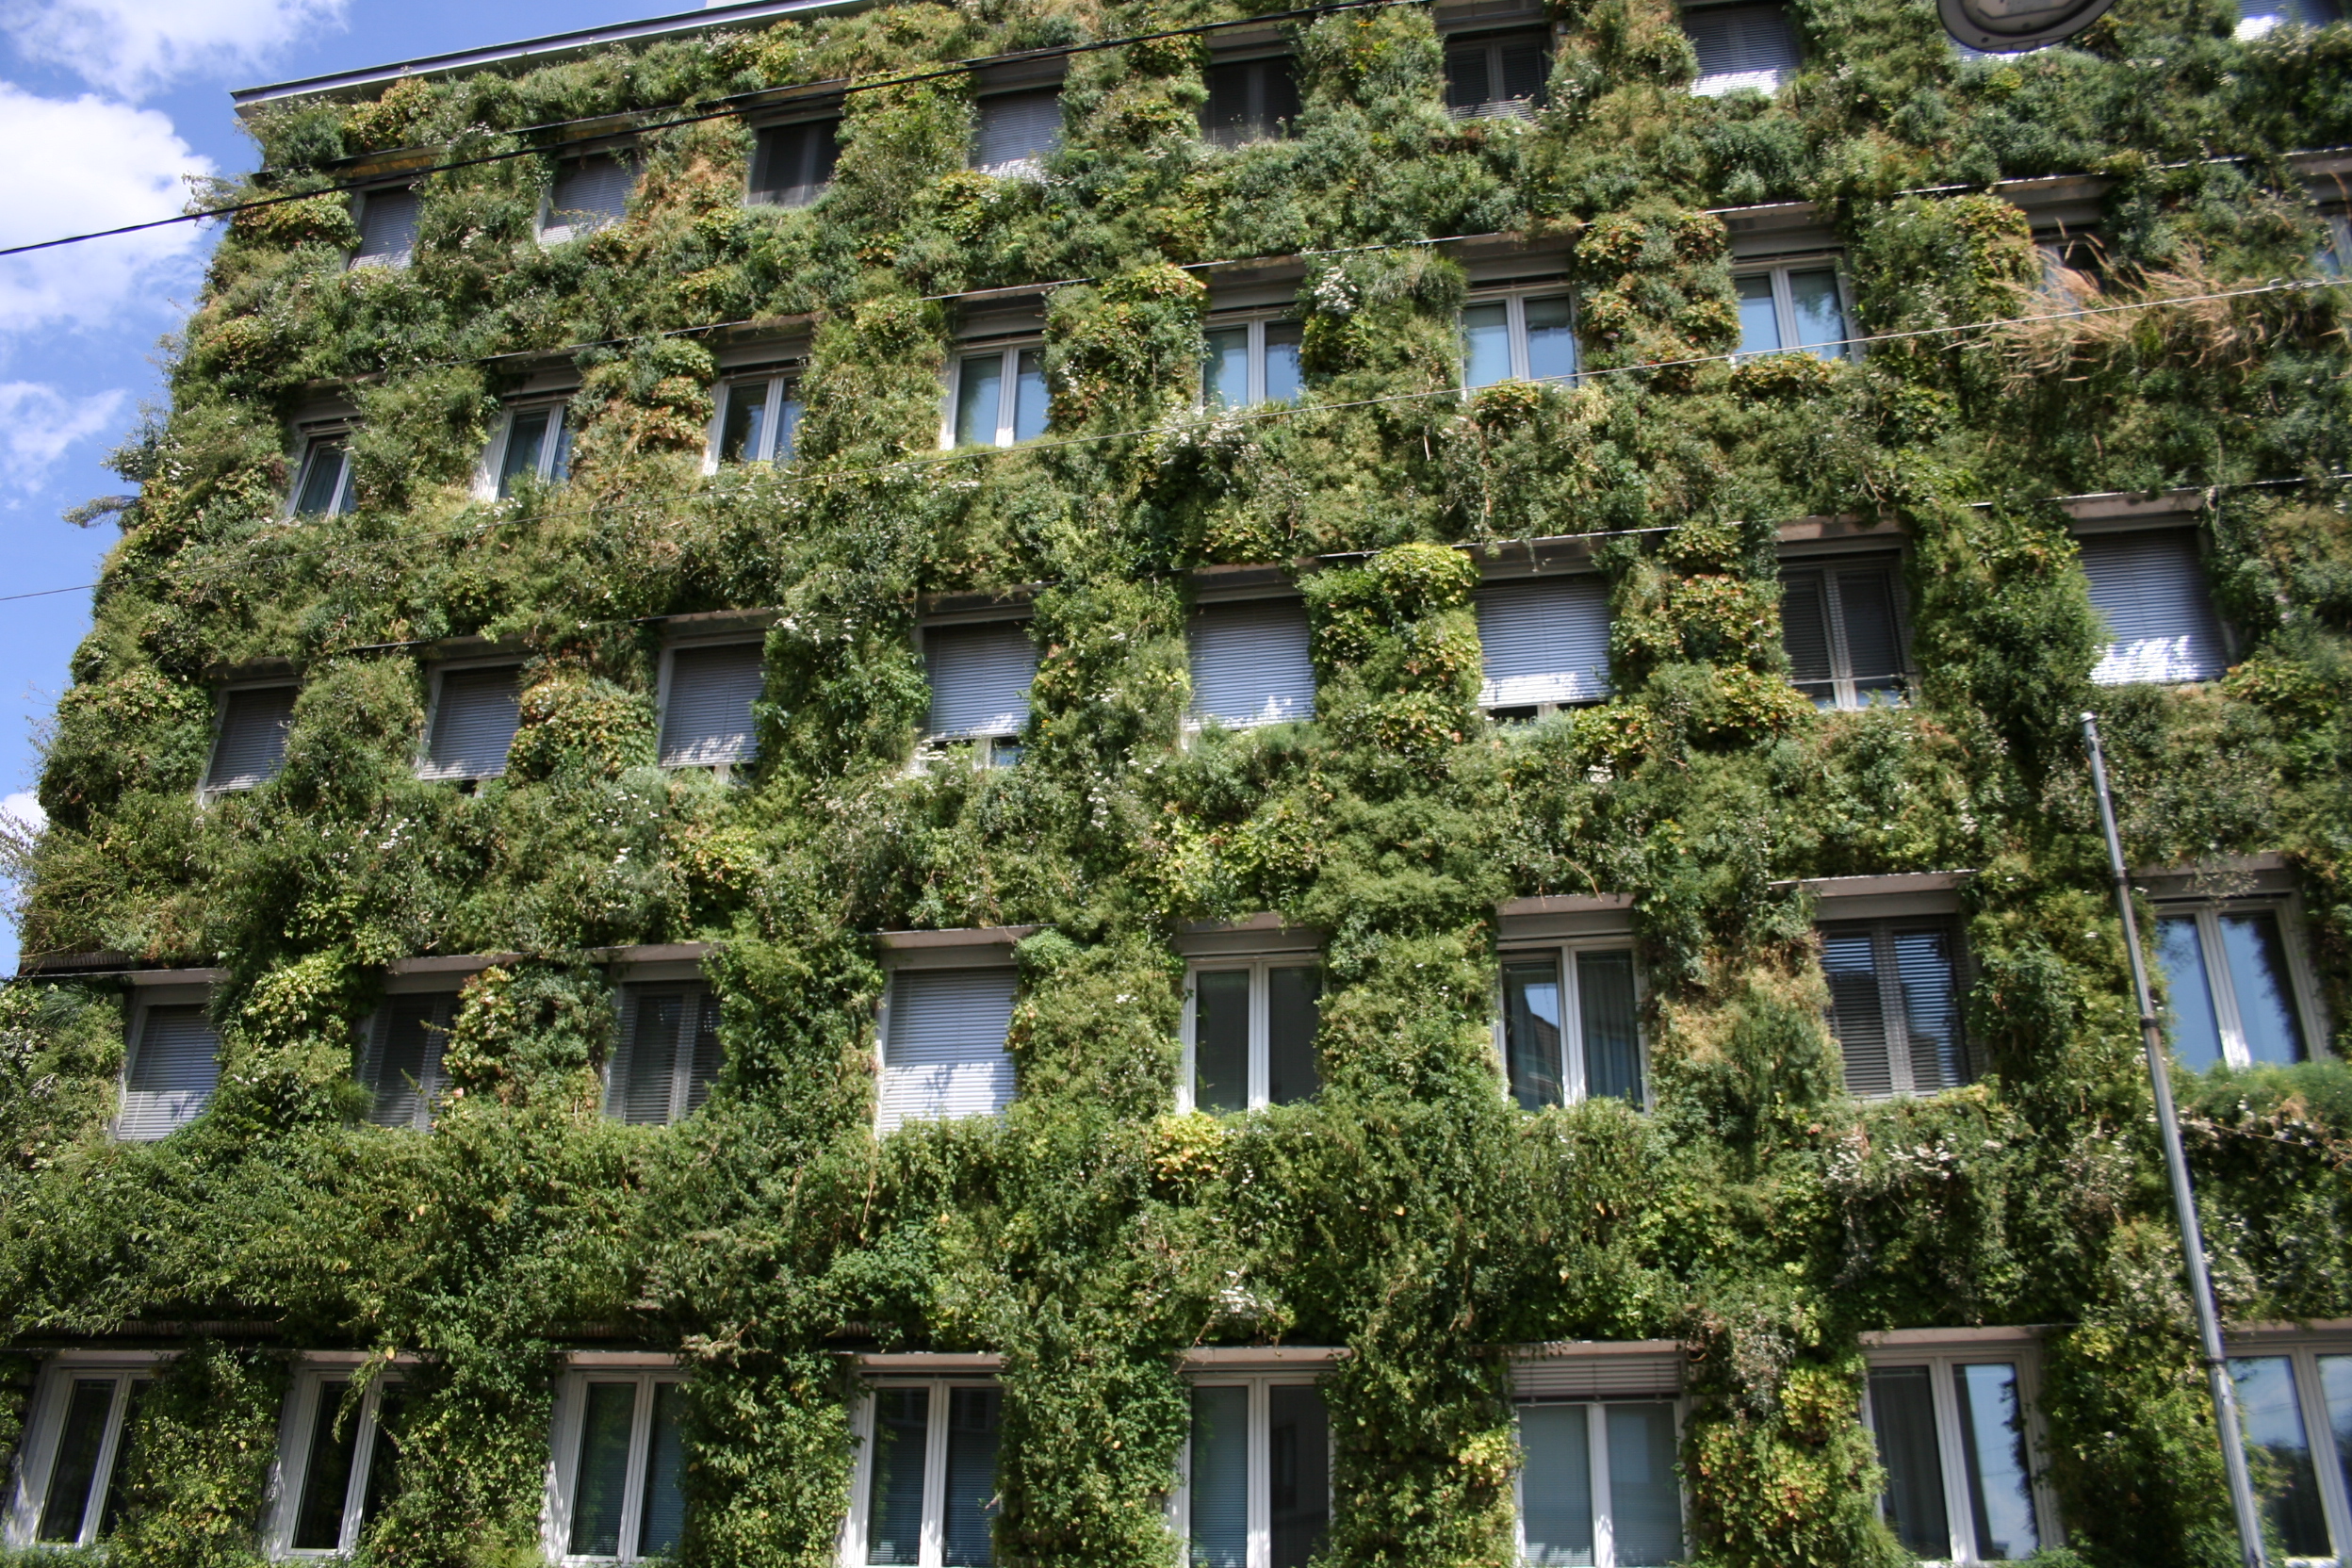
1408,1212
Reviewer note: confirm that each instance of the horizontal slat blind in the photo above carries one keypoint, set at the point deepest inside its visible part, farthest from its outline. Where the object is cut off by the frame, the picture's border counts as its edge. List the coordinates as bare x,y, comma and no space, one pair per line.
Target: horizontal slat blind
2151,589
1931,1007
252,748
1250,664
1017,128
589,195
706,716
171,1074
1740,46
943,1052
642,1082
1572,1377
1544,640
403,1068
387,228
795,162
473,723
1857,1008
980,677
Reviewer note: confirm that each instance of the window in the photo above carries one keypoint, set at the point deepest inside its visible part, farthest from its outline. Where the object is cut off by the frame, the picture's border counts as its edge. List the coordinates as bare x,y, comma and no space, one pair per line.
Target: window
475,712
1894,1004
1518,338
1543,641
1250,101
943,1052
2150,587
758,421
388,227
2335,250
324,489
1249,1032
532,443
980,677
1597,1484
1250,664
70,1471
338,1463
1498,75
1843,634
589,194
174,1066
791,165
707,694
1257,1480
1016,130
668,1054
1250,362
979,414
2258,17
249,748
2238,993
1952,1436
618,1458
400,1064
1741,47
925,1494
1570,1029
2295,1403
1791,309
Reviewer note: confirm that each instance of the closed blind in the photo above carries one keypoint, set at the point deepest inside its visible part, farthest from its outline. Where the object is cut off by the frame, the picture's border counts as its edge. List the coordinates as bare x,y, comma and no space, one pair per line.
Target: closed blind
1545,641
1218,1522
252,748
668,1054
1804,634
171,1074
2151,589
1250,664
944,1054
980,677
473,723
795,162
1016,129
403,1068
1575,1376
706,718
387,228
1857,1012
1931,1008
1740,46
589,195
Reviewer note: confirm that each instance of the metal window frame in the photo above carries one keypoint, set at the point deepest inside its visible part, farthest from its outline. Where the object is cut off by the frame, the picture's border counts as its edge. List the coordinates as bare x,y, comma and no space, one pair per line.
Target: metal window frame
2293,936
1596,1452
571,1410
1008,398
440,669
1685,9
1894,1017
1503,713
205,793
1940,1354
632,991
1562,952
857,1524
1258,963
723,771
494,454
290,1468
1260,1550
2302,1349
1253,354
144,1000
1033,167
1784,300
1844,699
1515,302
780,384
1284,592
44,1426
315,441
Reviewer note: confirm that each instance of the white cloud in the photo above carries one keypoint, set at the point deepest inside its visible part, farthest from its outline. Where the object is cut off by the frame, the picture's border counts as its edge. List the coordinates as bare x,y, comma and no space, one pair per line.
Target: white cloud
136,47
85,164
38,423
23,811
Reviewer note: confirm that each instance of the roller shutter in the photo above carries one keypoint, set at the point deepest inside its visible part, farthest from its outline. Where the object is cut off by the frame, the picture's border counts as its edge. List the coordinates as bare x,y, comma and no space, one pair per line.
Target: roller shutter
2151,589
794,163
706,713
251,746
980,677
1599,1376
473,723
1250,664
1740,46
171,1075
387,228
1015,130
943,1048
589,195
1544,640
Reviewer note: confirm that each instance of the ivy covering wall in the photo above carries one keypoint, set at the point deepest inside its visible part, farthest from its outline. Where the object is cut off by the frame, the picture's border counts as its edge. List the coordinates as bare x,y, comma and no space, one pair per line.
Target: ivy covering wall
1408,1213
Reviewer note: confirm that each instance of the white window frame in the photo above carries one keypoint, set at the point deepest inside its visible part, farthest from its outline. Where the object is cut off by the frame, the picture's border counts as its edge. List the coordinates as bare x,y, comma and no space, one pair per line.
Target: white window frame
1844,699
205,793
145,1000
723,771
2292,936
1785,304
1940,1351
291,1471
314,441
1008,398
1253,354
855,1527
440,670
1893,1015
45,1426
1261,1385
2302,1348
1259,960
1515,302
781,386
1572,1087
1596,1449
571,1410
493,455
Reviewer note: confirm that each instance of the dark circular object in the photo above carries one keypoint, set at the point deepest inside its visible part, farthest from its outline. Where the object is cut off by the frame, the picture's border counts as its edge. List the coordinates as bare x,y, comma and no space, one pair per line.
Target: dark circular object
2008,26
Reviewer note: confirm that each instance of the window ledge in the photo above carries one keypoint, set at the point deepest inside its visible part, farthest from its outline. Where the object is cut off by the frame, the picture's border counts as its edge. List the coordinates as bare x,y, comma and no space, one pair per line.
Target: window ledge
1259,1358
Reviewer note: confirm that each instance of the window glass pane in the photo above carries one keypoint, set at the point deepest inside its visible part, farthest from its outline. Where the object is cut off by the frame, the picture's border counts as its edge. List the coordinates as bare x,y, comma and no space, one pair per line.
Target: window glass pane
408,1060
642,1097
1644,1494
1760,319
76,1463
1866,603
1613,1049
1556,1484
788,423
1290,1018
1220,1039
1903,1414
662,1516
1804,636
1225,376
1219,1521
383,1455
327,1479
1485,344
1282,377
1856,1011
2335,1382
1299,1459
1820,320
2000,1483
525,438
560,466
2180,950
1551,339
747,414
1532,1031
1029,396
709,1056
1931,1008
322,482
972,1435
901,1427
2286,1483
977,396
2257,954
1466,78
600,1483
124,1465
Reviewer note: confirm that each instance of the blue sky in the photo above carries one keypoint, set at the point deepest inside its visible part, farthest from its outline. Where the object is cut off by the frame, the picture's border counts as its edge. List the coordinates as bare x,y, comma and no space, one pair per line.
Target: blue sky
108,104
